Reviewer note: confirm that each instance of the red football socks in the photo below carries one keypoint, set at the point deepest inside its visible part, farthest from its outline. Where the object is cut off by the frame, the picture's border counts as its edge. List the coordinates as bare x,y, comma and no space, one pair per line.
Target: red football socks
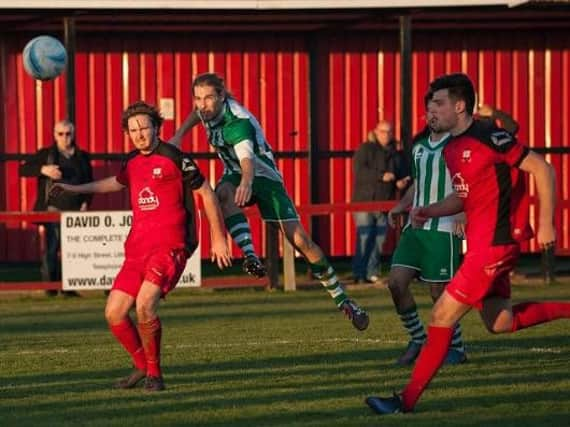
151,333
528,314
429,361
126,333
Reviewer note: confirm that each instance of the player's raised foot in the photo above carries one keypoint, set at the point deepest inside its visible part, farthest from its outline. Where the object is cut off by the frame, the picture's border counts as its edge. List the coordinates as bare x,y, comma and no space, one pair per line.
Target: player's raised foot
455,357
385,405
356,314
154,384
410,355
254,267
132,380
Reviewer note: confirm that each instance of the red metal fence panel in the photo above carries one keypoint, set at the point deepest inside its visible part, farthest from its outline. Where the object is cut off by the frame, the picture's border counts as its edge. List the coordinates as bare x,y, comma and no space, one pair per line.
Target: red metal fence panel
114,70
524,73
357,82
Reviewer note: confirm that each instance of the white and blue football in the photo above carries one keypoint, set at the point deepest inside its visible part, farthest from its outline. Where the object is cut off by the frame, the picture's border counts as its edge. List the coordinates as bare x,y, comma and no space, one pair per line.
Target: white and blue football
44,57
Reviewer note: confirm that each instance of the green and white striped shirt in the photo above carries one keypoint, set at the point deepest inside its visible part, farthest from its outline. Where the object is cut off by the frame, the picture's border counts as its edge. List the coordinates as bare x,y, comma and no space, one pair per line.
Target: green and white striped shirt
432,179
228,132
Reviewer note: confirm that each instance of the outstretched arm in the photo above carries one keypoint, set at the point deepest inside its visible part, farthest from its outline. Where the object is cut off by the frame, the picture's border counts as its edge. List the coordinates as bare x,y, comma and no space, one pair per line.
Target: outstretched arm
192,120
105,185
220,249
545,180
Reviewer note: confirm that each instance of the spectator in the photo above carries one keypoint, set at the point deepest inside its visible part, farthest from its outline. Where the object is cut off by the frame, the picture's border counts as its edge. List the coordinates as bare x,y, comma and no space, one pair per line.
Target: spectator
379,170
62,162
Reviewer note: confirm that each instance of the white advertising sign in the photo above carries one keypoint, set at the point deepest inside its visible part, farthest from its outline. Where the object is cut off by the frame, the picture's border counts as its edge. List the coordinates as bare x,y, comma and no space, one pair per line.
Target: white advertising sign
92,250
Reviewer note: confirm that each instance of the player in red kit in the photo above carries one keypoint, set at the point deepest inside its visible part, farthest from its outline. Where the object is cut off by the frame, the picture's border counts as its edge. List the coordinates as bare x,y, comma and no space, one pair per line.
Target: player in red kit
483,162
162,237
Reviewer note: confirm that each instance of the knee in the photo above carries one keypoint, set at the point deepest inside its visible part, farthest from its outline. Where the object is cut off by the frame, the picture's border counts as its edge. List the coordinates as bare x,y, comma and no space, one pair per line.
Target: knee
397,286
303,242
440,316
224,192
113,315
145,310
498,328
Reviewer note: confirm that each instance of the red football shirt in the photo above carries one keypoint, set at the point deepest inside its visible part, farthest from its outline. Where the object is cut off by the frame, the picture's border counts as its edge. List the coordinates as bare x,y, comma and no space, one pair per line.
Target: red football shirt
483,163
161,200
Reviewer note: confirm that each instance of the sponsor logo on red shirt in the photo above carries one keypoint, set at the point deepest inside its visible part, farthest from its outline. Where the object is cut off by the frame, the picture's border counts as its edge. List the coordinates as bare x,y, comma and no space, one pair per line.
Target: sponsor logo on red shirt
459,185
147,200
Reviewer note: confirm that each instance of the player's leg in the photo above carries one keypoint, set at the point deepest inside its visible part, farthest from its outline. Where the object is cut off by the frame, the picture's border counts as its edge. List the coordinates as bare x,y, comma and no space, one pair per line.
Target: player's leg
150,331
276,207
500,316
467,289
238,227
323,271
498,313
439,262
117,315
456,354
446,312
405,266
399,285
162,271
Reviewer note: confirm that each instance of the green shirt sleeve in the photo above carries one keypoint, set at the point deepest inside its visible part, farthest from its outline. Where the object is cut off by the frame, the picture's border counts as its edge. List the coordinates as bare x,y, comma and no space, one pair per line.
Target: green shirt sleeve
238,130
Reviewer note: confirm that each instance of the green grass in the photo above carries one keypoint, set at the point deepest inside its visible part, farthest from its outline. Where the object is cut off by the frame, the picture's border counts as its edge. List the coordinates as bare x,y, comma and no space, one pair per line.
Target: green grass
256,358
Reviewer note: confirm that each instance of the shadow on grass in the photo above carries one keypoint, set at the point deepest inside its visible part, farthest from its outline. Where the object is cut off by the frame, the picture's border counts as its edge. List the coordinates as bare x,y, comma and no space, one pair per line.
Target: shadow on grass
42,322
196,389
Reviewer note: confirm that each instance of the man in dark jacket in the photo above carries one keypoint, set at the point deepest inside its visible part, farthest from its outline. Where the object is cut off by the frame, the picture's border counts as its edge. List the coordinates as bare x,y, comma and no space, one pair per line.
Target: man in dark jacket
61,162
379,171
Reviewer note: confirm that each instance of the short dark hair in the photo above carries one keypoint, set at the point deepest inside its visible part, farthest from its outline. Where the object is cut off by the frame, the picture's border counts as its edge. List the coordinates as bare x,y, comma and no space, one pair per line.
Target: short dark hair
459,87
141,107
427,97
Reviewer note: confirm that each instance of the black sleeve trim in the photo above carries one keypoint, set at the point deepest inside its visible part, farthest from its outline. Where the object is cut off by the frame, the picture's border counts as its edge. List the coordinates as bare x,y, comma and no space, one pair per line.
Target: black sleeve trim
525,152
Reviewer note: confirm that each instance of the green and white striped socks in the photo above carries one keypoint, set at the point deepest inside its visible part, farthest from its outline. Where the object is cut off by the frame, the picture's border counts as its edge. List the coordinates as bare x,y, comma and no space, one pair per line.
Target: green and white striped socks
324,272
413,324
239,229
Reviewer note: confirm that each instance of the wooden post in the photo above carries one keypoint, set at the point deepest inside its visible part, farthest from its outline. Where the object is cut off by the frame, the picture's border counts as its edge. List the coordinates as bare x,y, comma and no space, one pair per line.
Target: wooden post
289,279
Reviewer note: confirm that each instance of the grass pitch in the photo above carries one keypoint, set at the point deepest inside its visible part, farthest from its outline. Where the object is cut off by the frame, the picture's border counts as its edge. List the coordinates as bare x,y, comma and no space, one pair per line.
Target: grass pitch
256,358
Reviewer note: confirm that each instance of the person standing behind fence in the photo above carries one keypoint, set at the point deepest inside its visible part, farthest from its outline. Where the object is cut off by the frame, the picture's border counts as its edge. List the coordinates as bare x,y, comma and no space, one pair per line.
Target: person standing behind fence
251,177
379,171
62,162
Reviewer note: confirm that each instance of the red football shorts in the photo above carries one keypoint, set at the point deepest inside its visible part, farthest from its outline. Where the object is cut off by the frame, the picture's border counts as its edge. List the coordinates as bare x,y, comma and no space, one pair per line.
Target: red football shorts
162,267
484,273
